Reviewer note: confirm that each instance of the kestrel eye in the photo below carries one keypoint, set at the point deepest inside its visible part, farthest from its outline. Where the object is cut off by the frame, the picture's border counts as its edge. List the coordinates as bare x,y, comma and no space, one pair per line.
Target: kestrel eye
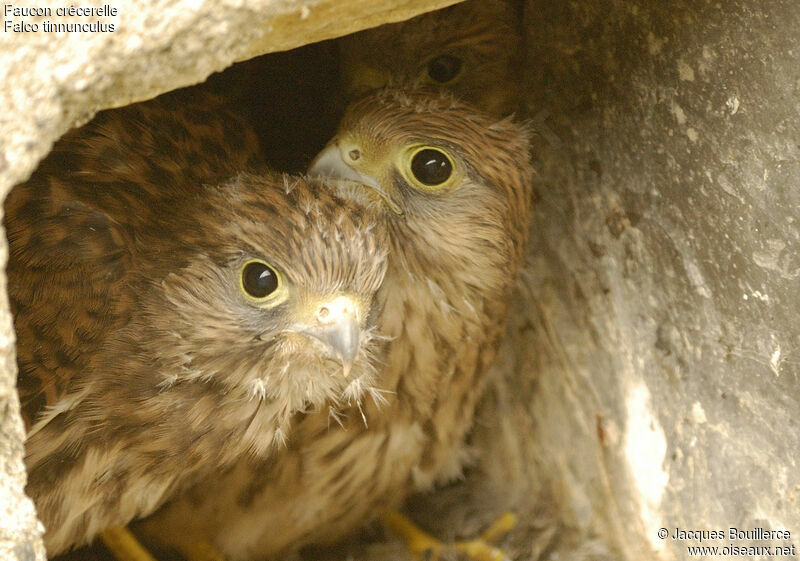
259,280
444,68
431,167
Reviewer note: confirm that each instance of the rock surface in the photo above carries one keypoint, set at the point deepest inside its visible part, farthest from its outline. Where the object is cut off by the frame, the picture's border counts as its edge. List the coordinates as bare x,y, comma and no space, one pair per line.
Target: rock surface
664,274
651,374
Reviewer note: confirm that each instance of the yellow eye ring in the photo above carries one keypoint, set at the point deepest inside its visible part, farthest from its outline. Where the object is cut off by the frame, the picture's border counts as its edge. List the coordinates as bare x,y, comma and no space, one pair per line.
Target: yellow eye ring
429,168
262,283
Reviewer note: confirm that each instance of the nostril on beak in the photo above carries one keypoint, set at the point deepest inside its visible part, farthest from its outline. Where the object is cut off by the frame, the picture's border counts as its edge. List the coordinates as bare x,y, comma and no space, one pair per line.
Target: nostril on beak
336,324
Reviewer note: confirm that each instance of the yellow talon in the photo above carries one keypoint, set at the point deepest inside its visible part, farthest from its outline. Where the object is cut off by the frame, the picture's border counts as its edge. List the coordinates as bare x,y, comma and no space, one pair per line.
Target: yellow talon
417,540
124,546
499,527
429,548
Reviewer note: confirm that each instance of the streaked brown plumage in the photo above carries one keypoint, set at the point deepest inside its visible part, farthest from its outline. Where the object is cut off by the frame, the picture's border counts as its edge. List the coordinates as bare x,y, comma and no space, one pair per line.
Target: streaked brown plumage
472,49
172,313
455,252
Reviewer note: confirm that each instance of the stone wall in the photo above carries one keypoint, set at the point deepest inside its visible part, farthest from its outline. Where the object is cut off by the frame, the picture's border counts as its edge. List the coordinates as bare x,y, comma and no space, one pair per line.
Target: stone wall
665,269
652,370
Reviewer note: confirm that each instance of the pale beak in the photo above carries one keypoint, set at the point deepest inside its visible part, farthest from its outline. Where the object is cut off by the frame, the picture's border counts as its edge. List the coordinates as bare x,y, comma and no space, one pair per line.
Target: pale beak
336,323
329,163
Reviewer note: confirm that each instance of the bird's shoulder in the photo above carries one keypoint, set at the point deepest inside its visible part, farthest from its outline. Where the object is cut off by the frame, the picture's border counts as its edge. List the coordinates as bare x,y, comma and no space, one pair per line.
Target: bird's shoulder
67,271
82,227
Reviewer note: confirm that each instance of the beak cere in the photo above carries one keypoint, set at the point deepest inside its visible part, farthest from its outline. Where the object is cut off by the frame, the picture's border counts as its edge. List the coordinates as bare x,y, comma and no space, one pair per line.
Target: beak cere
329,163
332,163
336,323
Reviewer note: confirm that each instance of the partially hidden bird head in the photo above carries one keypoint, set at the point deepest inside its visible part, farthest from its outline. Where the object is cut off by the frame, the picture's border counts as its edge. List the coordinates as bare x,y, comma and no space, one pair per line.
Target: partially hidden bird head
471,49
449,178
275,300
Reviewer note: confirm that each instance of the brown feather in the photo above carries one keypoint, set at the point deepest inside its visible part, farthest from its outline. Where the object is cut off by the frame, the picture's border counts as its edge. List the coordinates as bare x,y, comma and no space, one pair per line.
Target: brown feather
142,363
453,262
484,35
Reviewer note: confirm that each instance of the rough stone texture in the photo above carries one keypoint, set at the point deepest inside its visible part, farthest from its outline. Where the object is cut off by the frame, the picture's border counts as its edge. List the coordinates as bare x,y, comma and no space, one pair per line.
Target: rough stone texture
664,272
651,373
51,82
20,531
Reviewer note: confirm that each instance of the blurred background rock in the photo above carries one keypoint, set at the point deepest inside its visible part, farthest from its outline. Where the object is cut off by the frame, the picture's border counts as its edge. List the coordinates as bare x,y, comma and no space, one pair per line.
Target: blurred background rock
652,366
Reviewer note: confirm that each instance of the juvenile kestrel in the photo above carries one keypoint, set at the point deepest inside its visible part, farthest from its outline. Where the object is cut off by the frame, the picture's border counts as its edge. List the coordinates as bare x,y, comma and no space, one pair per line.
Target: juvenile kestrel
472,49
452,185
172,314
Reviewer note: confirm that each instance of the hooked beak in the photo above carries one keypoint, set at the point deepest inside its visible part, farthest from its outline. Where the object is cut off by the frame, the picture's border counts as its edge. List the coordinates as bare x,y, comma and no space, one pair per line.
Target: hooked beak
329,163
336,323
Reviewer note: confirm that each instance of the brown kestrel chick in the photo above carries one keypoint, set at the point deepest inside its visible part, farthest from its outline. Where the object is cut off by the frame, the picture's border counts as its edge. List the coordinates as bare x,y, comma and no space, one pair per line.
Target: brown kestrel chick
452,185
472,49
173,314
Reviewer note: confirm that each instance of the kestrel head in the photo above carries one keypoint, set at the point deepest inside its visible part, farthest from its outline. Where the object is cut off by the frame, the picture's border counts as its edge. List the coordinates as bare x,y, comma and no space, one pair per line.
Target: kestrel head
274,298
471,49
450,180
174,314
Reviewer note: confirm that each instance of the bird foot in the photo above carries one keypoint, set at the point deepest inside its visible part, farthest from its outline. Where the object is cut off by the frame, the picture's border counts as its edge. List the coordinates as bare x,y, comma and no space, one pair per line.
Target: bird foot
429,548
124,545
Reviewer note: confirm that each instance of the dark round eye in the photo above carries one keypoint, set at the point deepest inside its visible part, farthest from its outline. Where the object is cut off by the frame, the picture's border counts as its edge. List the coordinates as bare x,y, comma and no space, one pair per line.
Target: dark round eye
259,280
431,167
444,68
